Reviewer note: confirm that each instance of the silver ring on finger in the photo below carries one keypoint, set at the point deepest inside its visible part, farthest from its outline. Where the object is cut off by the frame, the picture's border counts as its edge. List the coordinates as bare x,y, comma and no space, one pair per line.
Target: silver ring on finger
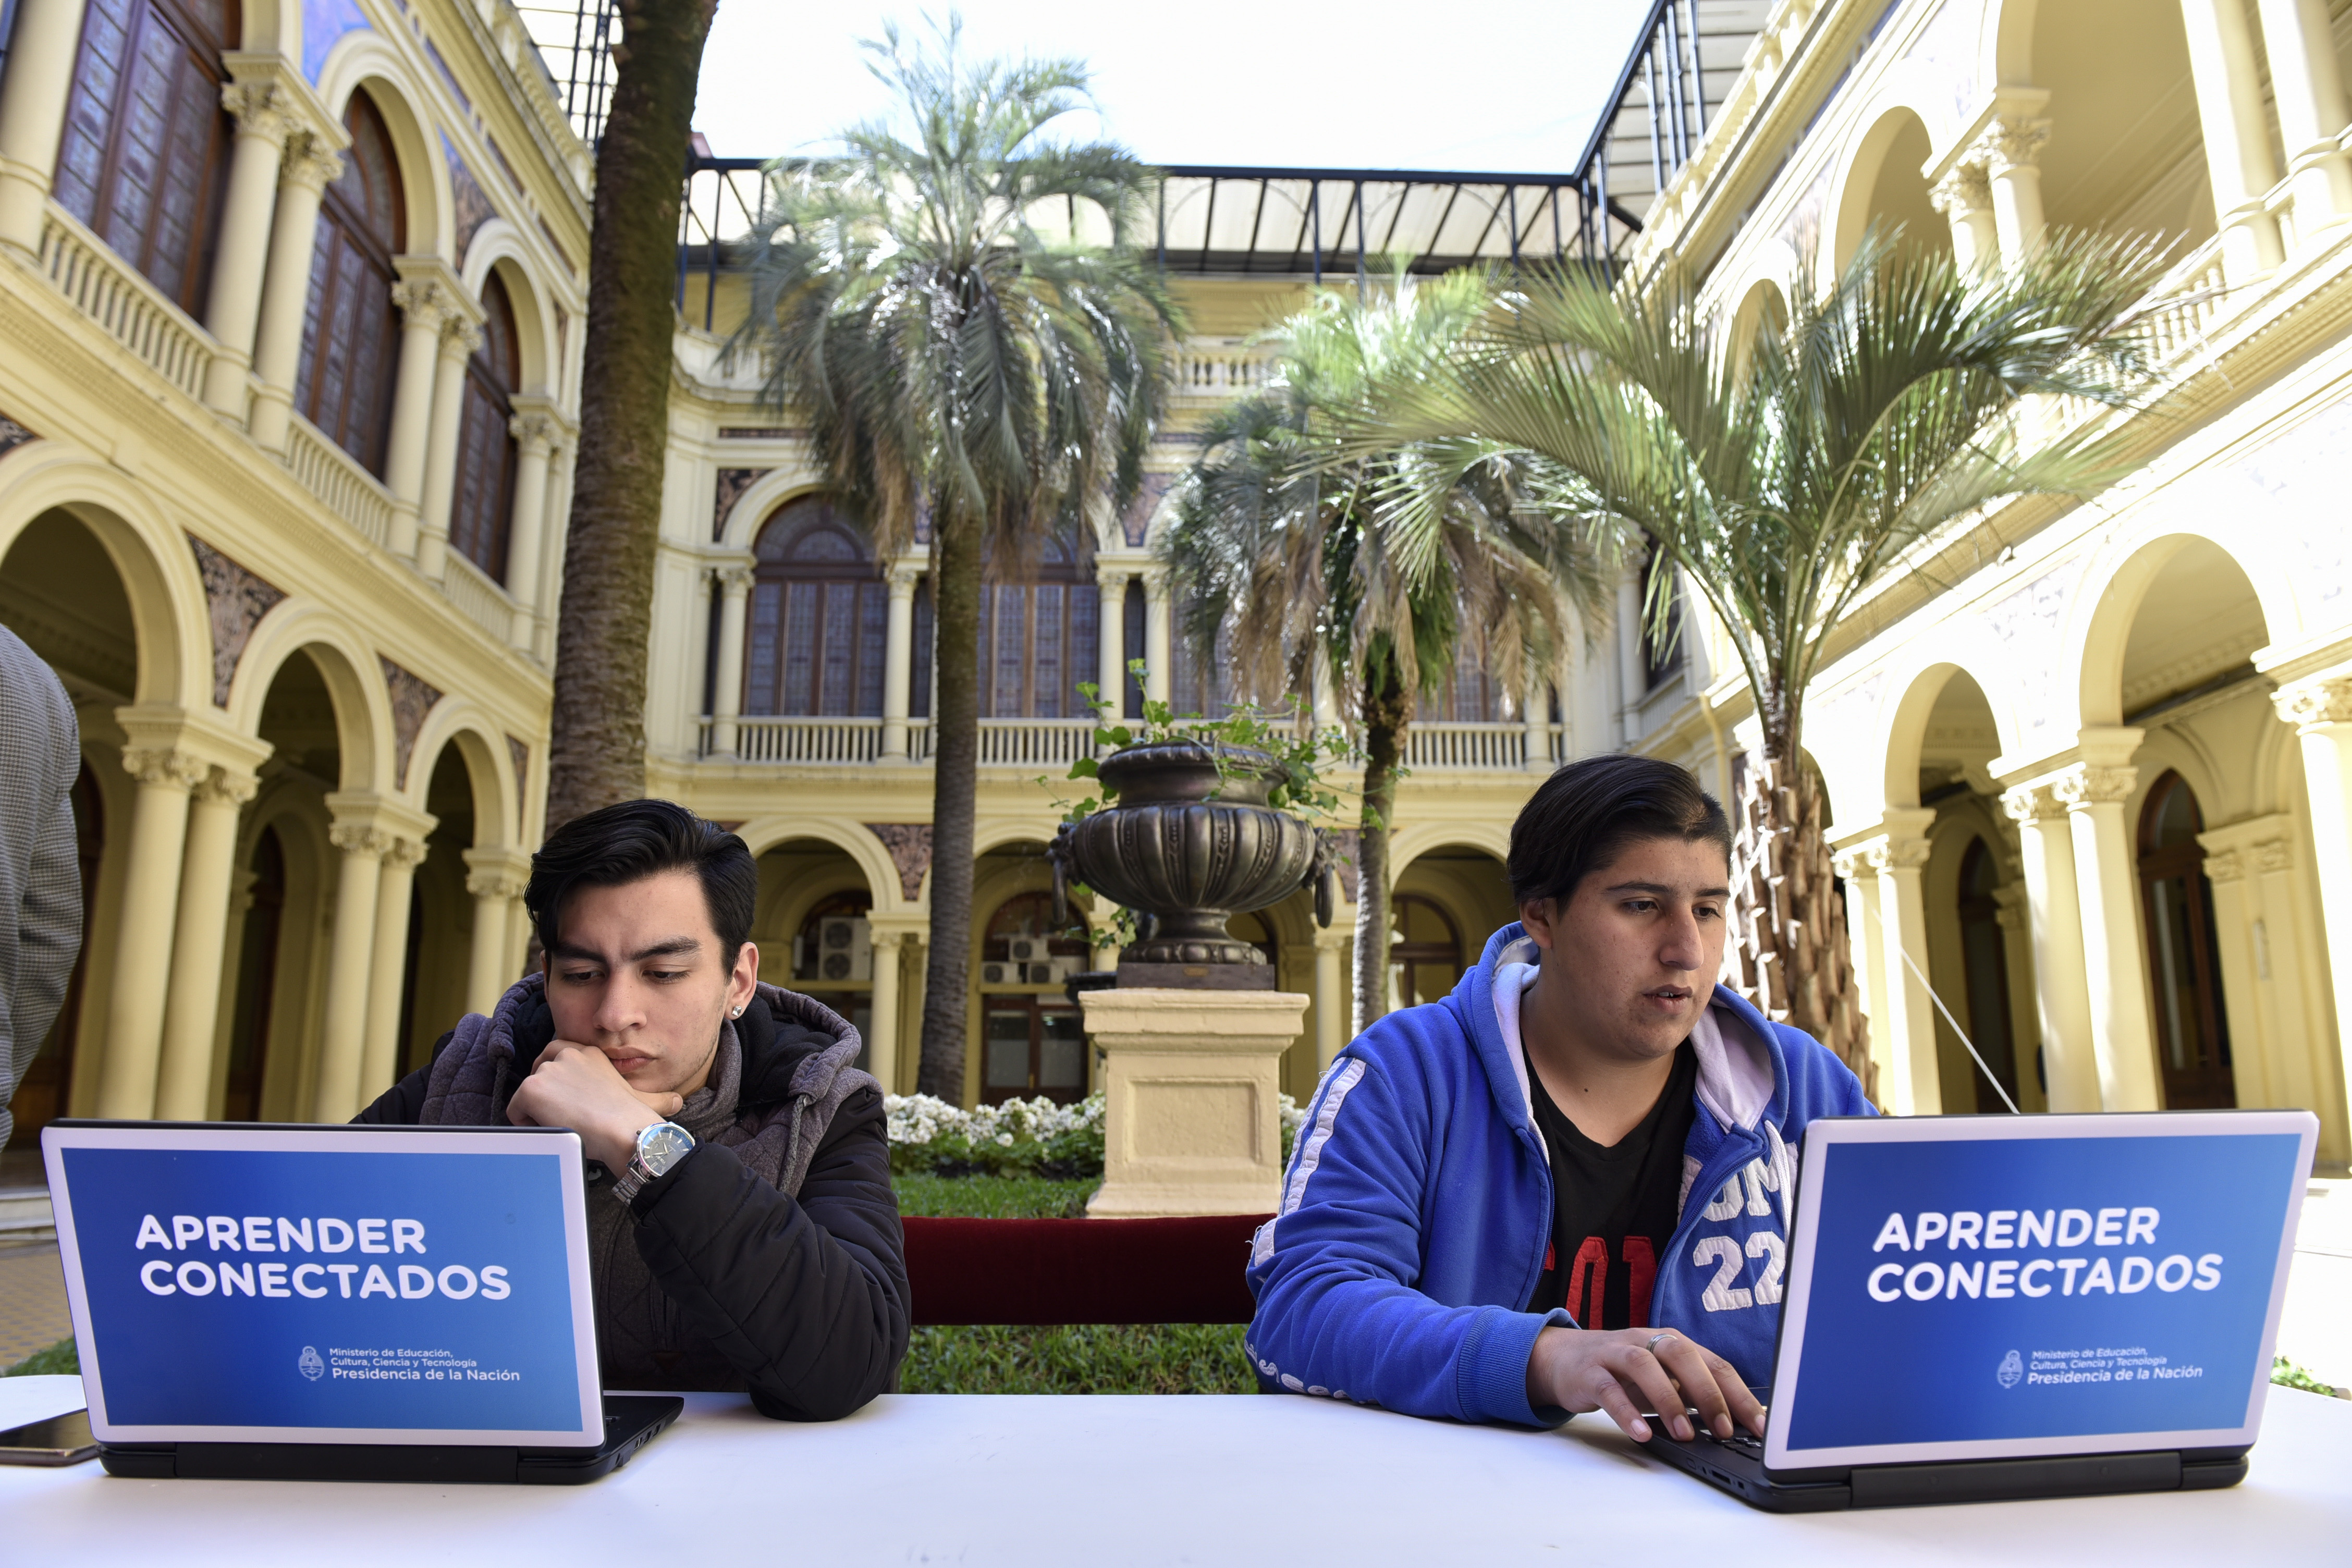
1653,1346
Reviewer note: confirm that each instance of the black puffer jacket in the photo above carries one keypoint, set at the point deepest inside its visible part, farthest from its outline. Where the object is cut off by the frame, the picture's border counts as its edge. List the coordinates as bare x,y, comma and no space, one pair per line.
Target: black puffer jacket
805,1297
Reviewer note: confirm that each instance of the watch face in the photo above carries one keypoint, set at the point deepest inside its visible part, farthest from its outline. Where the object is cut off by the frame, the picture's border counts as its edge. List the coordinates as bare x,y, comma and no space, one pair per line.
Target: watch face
662,1145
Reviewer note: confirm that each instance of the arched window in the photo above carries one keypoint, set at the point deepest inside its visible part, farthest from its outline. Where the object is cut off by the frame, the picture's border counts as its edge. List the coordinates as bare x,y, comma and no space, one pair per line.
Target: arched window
2192,1030
350,340
1424,952
1038,639
819,616
481,513
143,158
1031,1040
1984,954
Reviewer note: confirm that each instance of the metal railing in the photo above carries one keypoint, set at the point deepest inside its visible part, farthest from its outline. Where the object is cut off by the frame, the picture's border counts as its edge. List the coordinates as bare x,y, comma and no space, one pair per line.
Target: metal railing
127,307
340,484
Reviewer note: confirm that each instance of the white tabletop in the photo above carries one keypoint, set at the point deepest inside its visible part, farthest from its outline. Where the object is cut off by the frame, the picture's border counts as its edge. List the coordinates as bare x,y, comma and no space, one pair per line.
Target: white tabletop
1138,1480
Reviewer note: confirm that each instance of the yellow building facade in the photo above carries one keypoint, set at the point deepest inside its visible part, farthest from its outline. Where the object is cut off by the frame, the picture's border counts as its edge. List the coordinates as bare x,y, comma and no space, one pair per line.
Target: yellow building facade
2088,763
291,296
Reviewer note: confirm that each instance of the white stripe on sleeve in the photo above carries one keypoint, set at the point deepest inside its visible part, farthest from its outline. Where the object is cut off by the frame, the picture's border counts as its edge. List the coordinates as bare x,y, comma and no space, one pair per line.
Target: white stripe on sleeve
1350,1074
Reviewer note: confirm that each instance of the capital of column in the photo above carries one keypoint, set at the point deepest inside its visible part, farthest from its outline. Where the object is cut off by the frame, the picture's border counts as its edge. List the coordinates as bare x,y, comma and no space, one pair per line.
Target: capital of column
496,872
2026,804
1967,188
734,579
2014,142
2310,705
461,335
536,433
360,838
362,822
1155,582
404,853
165,766
424,302
311,162
902,577
228,786
2086,784
262,109
2225,866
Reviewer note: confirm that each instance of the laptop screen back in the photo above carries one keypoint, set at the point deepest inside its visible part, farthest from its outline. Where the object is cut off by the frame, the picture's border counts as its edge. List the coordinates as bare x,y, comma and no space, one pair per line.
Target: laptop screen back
328,1284
1999,1287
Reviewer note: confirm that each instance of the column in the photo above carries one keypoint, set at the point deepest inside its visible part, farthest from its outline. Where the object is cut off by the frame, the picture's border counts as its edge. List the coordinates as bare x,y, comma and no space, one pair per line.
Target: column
2321,712
1157,671
142,949
2307,87
1906,1012
2236,142
1633,679
459,338
1964,196
2061,987
727,697
396,886
882,1015
361,846
898,659
424,307
2012,916
2236,906
33,114
2122,1036
1110,620
238,261
535,434
2013,163
1535,713
494,880
1333,1002
309,165
191,1019
1865,932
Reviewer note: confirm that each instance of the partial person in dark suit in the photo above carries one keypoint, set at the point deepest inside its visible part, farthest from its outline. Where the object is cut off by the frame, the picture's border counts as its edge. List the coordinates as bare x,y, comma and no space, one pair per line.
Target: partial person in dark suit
41,875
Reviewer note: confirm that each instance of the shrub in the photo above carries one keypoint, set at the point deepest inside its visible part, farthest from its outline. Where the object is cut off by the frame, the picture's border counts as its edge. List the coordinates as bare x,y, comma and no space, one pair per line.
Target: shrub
1019,1137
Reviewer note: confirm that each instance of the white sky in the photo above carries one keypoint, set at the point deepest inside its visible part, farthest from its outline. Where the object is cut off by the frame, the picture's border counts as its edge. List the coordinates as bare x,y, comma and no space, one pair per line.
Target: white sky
1511,85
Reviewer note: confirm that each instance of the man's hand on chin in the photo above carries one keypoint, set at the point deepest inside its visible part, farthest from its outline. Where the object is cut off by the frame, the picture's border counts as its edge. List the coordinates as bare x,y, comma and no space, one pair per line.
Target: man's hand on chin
577,1085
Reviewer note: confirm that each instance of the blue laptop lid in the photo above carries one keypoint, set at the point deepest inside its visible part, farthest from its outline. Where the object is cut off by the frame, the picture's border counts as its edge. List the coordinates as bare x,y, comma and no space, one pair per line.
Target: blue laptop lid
328,1284
1964,1288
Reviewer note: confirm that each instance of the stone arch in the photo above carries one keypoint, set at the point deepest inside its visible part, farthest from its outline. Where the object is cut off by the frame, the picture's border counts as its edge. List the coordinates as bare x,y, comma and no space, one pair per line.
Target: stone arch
499,246
1761,307
1899,731
170,615
2116,585
367,59
2007,41
1898,129
490,769
353,674
762,498
855,839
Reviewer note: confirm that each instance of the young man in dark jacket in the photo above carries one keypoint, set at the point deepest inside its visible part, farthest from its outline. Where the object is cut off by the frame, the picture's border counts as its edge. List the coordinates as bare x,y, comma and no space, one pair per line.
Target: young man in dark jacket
742,1230
1566,1186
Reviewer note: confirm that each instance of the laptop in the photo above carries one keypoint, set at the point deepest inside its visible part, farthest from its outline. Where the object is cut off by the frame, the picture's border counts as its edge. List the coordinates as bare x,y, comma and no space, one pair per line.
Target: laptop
337,1303
1981,1308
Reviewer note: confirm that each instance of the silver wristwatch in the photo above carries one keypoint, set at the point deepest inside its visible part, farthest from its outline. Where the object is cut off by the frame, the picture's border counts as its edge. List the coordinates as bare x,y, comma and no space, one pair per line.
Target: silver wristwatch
660,1146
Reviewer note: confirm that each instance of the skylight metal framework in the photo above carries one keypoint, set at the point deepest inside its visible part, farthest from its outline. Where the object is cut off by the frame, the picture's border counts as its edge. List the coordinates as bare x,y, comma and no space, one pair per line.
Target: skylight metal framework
1674,82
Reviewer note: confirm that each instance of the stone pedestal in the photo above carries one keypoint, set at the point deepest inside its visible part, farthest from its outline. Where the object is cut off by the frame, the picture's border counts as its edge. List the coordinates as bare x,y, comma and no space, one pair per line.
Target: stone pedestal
1192,1121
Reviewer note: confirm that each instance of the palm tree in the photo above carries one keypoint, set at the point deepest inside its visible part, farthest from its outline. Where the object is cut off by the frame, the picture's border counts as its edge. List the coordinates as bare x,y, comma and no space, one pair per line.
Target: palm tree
596,755
1281,554
953,363
1786,476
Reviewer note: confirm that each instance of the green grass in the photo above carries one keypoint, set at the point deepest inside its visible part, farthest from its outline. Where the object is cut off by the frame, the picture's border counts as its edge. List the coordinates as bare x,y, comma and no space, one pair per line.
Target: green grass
992,1197
58,1358
1082,1358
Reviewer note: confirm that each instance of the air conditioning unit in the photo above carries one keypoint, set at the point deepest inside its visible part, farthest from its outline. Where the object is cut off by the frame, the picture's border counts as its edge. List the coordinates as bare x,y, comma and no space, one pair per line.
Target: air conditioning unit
845,948
1028,949
995,974
1037,974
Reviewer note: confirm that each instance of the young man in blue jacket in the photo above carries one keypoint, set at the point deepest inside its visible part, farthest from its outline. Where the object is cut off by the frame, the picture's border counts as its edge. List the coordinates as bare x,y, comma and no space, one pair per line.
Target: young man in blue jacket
1567,1185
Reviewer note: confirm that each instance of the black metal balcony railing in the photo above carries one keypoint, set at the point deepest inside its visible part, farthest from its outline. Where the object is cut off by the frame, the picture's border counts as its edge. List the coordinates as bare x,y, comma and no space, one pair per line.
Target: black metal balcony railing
1674,82
576,43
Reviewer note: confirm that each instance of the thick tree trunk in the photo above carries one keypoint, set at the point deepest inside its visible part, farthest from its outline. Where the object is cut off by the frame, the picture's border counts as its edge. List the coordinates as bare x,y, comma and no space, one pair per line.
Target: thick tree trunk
955,777
598,752
1791,954
1388,713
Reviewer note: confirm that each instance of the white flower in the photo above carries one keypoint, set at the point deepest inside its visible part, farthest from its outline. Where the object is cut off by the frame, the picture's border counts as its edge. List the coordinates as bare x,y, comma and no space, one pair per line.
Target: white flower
1004,1139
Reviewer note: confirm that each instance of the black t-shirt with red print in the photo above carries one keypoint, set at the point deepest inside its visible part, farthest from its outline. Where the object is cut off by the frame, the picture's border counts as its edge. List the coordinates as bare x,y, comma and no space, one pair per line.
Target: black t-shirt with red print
1613,1209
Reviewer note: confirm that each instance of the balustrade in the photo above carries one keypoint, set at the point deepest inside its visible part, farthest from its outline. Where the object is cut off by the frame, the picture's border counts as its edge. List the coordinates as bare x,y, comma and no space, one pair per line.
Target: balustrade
127,307
340,484
477,598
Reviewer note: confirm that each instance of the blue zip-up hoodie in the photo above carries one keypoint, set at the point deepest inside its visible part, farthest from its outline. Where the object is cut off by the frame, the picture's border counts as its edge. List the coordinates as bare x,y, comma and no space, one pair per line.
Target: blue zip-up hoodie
1419,1202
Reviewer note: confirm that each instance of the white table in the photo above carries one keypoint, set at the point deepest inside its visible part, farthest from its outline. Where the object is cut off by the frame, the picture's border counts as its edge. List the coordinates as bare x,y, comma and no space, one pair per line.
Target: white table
1138,1480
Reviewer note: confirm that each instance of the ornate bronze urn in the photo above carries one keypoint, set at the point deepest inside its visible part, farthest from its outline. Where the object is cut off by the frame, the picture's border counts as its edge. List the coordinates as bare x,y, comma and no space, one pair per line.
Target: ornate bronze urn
1189,843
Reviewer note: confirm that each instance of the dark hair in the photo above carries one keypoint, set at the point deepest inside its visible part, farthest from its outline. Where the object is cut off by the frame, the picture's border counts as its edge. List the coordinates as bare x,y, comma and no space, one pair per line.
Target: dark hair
1584,815
640,838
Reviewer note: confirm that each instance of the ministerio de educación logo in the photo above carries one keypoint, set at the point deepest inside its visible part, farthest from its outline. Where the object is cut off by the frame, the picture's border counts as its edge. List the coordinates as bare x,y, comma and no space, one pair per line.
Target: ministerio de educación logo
2011,1369
313,1367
